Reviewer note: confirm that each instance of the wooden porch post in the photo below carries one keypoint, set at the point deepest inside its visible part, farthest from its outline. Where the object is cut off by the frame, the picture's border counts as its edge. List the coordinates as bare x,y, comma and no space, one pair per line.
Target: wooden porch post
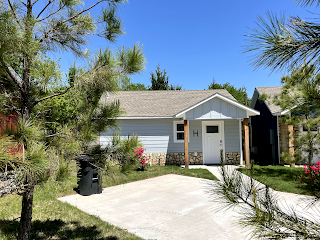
290,129
186,147
246,142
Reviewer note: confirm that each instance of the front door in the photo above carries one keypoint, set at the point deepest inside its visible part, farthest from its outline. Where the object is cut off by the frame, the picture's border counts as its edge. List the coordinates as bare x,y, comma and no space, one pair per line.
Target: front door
212,141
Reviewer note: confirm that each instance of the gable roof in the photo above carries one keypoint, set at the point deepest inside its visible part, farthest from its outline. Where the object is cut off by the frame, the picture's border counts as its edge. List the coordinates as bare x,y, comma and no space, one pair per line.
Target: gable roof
271,92
162,104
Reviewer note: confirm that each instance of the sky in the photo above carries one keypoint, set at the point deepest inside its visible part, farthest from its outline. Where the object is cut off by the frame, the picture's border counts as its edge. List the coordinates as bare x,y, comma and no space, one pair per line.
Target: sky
195,41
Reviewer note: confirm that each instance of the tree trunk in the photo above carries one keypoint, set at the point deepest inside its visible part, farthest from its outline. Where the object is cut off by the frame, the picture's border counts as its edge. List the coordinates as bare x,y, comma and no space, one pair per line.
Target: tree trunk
26,213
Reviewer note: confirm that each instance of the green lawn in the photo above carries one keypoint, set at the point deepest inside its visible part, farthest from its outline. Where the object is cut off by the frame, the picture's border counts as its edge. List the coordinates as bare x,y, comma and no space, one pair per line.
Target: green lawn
154,171
280,178
53,219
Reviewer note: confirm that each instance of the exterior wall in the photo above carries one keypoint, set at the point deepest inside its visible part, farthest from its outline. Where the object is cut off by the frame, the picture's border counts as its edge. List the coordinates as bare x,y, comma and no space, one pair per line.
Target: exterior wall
263,152
216,109
157,135
232,135
157,138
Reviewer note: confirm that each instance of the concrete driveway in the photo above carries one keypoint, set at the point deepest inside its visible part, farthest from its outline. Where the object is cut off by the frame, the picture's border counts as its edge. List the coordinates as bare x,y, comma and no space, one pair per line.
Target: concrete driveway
165,207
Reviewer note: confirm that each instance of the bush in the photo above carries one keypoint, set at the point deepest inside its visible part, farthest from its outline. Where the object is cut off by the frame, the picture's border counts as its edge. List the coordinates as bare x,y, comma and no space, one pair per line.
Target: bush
143,161
312,178
121,151
63,170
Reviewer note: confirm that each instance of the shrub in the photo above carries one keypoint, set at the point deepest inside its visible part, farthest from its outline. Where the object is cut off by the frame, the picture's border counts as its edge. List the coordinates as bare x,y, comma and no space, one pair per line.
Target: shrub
312,178
143,161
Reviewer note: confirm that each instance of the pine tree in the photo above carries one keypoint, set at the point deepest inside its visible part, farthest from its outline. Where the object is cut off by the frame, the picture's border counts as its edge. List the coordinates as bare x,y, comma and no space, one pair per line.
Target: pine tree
159,79
29,30
298,91
240,94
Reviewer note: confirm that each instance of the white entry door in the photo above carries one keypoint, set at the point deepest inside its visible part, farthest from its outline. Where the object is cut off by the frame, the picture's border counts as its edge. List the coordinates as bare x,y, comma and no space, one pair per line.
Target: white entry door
212,141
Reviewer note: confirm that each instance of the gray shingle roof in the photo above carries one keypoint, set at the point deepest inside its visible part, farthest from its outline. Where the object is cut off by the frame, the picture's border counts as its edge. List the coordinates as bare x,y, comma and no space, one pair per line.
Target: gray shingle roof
160,103
271,92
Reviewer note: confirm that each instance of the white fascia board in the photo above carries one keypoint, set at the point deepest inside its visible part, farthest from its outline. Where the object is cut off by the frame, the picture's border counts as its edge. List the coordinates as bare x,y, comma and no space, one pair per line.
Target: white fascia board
120,118
237,104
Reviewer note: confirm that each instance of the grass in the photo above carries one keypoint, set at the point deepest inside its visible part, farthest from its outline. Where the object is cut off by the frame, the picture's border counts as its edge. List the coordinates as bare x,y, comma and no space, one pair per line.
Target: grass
154,171
280,178
53,219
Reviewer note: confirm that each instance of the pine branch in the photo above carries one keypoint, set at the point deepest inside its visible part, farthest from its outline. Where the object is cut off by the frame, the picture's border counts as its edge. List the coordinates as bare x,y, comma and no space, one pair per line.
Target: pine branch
48,4
33,2
14,13
24,3
46,34
54,95
85,10
51,14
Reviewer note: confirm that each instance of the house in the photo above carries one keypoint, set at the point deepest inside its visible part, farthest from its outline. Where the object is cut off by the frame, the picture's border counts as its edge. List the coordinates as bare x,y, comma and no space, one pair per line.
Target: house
269,136
172,123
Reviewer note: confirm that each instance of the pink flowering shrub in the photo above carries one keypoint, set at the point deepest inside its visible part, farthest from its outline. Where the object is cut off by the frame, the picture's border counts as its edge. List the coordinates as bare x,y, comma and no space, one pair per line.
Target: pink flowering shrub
143,161
312,176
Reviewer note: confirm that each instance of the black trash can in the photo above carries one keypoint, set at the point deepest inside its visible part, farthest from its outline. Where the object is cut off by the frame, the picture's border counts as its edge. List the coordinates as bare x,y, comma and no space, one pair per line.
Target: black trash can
89,181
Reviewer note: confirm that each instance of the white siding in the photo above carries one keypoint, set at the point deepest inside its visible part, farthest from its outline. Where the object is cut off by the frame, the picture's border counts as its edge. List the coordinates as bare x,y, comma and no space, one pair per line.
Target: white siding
157,135
216,109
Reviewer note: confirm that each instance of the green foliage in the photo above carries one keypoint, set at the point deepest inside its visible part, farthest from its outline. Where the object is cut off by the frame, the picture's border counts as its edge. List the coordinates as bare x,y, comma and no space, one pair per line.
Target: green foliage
280,178
282,43
122,151
63,170
240,94
260,210
175,87
125,84
263,97
28,79
289,157
45,74
159,79
300,94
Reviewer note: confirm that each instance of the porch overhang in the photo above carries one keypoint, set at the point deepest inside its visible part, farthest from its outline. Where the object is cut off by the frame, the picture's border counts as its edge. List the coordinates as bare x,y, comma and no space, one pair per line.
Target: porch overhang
217,107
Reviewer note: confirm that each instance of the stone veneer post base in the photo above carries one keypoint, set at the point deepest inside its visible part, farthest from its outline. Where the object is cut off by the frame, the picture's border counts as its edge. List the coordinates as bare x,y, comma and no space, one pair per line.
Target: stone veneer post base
178,158
173,158
232,158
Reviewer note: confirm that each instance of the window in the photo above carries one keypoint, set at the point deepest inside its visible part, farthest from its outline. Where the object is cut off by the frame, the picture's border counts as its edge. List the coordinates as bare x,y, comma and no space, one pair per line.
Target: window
178,131
212,129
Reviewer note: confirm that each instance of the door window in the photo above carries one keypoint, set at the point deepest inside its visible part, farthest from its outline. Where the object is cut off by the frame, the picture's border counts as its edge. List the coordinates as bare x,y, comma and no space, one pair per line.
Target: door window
212,129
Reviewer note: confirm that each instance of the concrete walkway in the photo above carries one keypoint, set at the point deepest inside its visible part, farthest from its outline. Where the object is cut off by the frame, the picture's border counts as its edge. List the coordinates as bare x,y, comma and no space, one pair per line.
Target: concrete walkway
167,207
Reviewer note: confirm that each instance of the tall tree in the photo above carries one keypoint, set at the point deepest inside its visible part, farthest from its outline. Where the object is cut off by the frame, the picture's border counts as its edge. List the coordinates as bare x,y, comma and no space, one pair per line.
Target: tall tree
238,93
125,84
159,79
29,30
297,95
